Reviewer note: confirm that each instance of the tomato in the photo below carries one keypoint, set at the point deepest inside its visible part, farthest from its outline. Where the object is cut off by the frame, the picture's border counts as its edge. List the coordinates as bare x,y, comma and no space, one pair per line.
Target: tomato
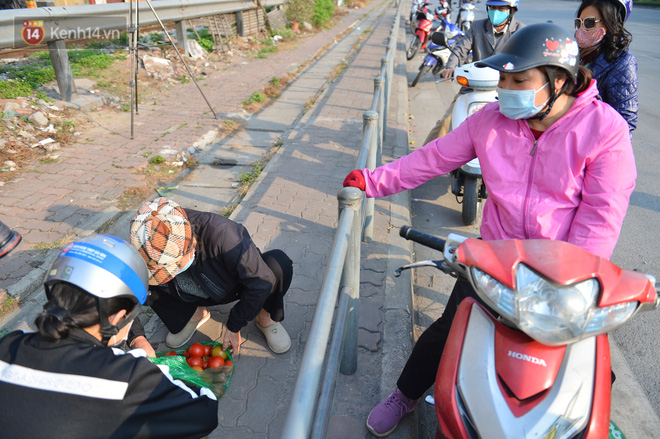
216,362
198,369
186,353
205,363
194,361
229,363
207,350
224,355
170,354
215,350
196,350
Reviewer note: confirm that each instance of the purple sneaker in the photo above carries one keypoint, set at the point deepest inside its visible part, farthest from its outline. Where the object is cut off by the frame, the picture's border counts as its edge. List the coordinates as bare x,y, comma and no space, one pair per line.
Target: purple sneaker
384,418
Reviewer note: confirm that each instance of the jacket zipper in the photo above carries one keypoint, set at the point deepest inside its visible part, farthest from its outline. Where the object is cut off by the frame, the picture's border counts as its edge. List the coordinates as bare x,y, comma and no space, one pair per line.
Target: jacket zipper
529,189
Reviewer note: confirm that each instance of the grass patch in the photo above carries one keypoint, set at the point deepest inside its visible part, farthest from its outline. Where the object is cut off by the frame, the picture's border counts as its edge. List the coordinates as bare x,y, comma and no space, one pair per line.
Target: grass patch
7,305
203,37
45,246
256,98
268,46
28,78
47,160
157,160
338,70
247,178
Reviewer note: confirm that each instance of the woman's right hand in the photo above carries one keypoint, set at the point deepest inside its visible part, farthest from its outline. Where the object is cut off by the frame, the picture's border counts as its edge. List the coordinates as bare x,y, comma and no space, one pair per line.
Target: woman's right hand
232,340
447,73
355,179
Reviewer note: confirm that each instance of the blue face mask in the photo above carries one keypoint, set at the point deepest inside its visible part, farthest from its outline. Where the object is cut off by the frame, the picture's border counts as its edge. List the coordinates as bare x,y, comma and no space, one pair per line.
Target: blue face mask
188,264
519,104
497,17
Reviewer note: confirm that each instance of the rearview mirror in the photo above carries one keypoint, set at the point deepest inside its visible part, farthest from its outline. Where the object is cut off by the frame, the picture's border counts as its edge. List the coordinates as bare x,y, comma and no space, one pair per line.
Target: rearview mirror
439,38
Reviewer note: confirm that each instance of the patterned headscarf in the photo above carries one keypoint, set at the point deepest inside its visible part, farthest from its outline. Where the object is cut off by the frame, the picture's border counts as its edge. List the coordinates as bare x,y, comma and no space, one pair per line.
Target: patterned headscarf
161,232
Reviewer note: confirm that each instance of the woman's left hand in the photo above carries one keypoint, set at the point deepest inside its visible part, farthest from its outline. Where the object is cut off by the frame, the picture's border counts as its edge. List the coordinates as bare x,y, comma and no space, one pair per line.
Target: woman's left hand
141,342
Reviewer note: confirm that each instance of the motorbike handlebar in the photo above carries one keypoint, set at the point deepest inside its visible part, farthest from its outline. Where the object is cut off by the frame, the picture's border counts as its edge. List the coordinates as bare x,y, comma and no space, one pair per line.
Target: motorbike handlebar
422,238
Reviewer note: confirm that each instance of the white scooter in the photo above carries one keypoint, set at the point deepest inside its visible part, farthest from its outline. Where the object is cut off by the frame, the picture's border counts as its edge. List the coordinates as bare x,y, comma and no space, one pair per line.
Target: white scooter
465,16
479,88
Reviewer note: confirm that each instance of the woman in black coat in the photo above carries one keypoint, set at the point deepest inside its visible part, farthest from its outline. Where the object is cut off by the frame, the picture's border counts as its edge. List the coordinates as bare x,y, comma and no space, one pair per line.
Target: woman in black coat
198,259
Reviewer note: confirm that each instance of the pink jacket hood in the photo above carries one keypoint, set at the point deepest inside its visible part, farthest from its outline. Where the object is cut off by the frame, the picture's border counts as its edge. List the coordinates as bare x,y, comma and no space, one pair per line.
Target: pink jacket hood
572,184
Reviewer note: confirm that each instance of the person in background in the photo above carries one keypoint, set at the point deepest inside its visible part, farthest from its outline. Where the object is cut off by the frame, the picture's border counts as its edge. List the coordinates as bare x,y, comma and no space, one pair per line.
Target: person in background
9,239
551,170
485,38
604,42
67,381
198,259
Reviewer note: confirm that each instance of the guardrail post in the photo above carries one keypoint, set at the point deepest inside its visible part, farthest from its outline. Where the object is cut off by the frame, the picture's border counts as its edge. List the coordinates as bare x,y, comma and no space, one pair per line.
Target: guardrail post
379,83
239,24
60,59
369,124
350,197
182,36
384,67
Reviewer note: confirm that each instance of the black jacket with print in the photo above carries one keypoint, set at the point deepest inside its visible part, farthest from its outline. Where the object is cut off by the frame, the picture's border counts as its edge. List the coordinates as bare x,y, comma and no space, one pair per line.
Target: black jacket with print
77,388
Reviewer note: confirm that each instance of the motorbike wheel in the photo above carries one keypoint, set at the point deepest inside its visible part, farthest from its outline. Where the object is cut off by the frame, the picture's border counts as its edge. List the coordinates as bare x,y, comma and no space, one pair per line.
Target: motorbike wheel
470,200
422,71
414,46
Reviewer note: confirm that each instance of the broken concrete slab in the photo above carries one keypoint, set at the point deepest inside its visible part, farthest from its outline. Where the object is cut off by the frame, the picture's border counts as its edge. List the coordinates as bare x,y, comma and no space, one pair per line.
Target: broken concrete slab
263,139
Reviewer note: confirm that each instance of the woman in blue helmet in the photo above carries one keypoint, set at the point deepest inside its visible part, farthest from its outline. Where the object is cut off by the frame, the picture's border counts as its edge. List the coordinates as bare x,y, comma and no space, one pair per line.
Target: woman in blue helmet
604,42
67,381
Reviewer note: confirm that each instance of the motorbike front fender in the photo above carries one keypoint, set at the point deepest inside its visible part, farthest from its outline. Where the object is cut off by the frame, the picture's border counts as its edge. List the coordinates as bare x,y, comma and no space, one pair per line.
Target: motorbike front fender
467,389
421,35
430,60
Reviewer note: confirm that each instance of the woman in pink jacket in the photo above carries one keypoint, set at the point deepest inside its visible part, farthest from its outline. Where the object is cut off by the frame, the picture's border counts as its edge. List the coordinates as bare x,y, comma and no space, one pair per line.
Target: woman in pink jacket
557,162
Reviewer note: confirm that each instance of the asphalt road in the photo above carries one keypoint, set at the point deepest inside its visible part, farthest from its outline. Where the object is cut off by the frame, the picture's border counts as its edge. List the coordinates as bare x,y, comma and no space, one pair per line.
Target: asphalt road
436,211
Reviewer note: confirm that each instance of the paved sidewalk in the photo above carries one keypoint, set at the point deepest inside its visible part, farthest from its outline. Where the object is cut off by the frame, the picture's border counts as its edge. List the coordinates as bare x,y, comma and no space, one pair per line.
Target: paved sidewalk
78,194
292,206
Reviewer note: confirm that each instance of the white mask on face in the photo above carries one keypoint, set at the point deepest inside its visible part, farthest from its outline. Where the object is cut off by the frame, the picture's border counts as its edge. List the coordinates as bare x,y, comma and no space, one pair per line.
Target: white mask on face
192,259
519,104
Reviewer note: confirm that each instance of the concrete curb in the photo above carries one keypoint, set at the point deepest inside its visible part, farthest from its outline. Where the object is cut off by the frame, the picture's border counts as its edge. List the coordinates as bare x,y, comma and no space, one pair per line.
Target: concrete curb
398,337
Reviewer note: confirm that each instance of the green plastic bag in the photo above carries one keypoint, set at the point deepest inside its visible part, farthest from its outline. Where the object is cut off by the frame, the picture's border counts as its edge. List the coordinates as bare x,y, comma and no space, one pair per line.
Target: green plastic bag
217,379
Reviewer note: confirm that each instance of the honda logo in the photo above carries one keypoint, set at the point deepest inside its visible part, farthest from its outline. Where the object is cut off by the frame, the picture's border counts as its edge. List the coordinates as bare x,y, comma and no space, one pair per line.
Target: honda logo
524,357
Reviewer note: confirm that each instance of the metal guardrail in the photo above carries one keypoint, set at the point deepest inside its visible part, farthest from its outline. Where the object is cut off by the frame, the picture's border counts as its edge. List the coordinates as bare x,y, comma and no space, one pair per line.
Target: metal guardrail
342,278
54,25
74,21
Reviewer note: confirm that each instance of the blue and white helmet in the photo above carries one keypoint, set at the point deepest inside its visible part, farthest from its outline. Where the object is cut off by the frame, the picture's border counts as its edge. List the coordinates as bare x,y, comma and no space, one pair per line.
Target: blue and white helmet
103,266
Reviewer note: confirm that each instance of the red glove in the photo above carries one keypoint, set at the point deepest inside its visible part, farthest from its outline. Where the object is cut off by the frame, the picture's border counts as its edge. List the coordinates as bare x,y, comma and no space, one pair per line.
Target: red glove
355,179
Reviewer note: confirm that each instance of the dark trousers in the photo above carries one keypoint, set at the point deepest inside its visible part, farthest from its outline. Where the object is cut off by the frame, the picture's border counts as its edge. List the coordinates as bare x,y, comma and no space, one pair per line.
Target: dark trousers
420,371
176,313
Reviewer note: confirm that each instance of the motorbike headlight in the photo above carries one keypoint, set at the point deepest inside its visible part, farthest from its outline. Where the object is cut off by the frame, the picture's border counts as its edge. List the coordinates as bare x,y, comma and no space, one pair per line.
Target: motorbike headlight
473,108
550,313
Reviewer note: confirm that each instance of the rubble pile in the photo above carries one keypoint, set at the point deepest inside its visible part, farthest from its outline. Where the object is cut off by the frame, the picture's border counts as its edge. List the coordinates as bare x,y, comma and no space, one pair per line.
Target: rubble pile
31,128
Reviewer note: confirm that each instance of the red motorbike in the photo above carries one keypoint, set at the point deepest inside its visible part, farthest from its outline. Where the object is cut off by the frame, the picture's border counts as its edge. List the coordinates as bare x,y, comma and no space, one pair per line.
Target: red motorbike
423,23
537,363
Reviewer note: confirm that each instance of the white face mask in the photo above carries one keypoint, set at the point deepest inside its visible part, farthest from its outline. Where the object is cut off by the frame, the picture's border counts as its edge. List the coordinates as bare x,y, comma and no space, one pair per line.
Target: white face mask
519,104
190,262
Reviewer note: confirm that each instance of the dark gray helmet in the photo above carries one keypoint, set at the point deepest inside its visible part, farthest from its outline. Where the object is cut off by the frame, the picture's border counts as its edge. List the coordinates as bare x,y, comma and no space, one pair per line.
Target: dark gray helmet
537,45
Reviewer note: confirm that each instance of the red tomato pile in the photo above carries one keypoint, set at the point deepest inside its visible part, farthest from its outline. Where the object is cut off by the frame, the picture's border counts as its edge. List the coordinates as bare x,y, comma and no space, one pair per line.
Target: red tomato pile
201,357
